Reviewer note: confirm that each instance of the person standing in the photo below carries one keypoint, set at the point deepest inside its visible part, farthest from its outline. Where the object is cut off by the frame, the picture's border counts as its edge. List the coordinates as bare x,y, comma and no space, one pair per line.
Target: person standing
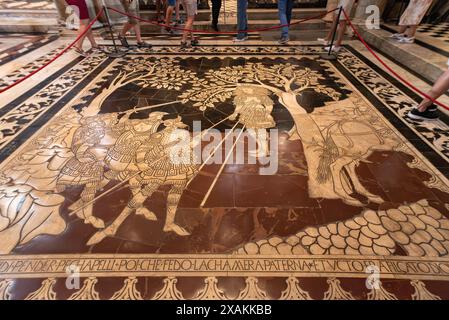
347,6
81,10
168,16
216,7
410,20
130,7
242,20
427,110
285,8
160,7
191,9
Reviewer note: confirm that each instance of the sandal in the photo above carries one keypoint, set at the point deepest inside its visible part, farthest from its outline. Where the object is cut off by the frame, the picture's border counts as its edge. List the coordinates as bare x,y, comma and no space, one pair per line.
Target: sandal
81,52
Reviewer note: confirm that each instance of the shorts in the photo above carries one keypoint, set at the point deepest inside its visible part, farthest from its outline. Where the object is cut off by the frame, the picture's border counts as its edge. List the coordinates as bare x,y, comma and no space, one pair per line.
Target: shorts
81,8
131,9
171,3
347,6
190,7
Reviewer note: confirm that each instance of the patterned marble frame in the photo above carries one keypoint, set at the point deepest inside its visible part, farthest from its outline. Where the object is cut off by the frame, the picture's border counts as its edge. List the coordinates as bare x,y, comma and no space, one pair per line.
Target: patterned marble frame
98,265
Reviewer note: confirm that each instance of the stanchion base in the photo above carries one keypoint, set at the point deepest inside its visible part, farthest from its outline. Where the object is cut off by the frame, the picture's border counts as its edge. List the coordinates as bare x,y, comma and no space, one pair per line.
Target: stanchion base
327,56
116,54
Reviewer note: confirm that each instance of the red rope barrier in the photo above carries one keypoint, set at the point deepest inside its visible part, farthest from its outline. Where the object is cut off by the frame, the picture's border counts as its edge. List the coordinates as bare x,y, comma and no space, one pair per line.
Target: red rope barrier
55,57
390,69
222,32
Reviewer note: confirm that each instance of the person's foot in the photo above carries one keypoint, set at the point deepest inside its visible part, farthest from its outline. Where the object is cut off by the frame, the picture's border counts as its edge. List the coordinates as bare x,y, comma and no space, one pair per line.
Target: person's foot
194,42
143,44
80,51
408,40
397,36
185,45
429,114
323,41
215,27
240,38
98,49
335,49
123,41
283,40
169,30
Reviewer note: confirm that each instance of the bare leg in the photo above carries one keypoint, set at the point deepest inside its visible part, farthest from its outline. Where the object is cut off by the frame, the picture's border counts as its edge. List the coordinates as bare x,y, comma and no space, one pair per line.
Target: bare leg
168,16
177,10
331,31
402,29
438,89
411,31
126,27
188,25
82,29
341,33
138,33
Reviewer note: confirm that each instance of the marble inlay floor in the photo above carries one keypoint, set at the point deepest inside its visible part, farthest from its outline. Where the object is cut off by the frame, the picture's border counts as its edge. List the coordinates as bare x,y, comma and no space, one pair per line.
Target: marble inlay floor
440,30
88,189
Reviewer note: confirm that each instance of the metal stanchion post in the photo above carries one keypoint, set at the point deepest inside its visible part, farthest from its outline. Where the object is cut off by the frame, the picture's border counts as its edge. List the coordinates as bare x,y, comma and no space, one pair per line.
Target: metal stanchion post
330,55
117,53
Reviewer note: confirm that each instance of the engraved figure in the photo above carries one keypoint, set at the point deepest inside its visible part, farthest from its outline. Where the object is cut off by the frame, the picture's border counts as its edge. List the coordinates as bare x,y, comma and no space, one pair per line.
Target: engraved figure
156,168
253,107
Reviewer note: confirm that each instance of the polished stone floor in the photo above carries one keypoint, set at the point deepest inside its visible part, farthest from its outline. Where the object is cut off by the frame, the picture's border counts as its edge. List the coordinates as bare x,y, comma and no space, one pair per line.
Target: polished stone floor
88,189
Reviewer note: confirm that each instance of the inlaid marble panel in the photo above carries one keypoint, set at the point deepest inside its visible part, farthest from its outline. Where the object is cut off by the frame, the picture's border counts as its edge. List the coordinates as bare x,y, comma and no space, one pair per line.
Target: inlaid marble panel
90,195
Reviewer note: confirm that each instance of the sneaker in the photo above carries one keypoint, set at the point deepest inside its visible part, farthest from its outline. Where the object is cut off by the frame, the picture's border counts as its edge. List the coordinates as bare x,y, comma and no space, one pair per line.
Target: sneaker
397,36
407,40
334,49
283,40
240,39
144,44
432,108
323,41
169,30
215,27
425,115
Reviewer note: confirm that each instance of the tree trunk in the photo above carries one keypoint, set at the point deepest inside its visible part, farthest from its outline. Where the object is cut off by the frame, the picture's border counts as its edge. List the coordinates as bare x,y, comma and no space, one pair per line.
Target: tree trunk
307,130
95,106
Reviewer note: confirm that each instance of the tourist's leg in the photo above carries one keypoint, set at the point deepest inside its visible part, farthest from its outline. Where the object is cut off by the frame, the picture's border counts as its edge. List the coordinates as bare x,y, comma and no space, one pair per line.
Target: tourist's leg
170,7
411,31
216,7
242,19
438,89
282,9
341,33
